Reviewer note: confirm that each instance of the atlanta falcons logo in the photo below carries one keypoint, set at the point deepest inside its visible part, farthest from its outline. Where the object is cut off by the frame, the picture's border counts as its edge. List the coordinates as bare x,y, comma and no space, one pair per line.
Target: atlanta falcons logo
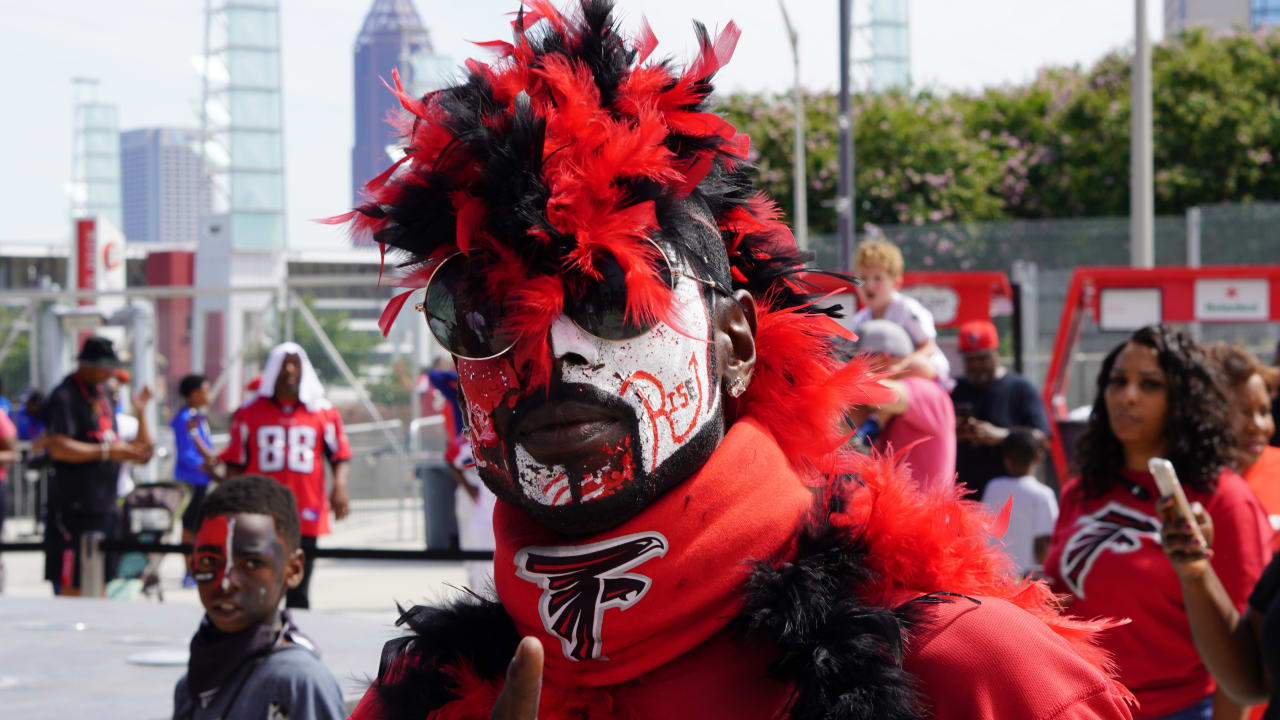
1115,527
580,582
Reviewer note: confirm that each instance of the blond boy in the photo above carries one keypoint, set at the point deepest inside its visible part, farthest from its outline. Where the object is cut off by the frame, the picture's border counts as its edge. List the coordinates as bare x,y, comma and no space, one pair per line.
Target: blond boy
879,264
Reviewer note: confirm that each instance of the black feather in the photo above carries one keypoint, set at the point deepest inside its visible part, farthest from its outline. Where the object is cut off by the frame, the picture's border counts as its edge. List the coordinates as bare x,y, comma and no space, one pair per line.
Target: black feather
841,656
470,628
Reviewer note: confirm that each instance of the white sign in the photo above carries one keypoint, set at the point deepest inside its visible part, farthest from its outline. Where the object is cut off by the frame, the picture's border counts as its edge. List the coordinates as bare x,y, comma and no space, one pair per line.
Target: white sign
1248,299
943,302
1128,308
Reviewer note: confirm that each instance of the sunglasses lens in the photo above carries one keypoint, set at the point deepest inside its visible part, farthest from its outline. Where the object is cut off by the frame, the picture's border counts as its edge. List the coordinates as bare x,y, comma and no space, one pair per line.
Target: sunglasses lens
602,308
465,322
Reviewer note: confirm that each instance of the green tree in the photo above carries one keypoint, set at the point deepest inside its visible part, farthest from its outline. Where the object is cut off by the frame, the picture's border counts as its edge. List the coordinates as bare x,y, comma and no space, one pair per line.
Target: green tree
1055,147
15,369
915,161
354,346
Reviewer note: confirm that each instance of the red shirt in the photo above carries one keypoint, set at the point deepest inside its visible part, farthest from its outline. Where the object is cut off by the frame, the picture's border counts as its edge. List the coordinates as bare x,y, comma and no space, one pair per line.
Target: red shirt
1263,478
930,418
7,430
987,659
1106,553
282,443
975,659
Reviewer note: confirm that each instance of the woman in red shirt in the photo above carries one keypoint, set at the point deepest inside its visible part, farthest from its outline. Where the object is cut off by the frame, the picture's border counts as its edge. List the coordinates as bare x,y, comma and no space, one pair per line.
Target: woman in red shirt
1249,386
1156,397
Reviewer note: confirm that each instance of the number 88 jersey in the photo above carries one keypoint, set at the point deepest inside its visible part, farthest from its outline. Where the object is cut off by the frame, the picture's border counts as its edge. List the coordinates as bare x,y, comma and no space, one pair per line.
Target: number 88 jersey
290,445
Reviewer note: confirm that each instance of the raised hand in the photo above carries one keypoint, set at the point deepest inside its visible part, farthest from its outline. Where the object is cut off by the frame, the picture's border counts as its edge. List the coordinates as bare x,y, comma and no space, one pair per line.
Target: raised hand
1189,556
520,693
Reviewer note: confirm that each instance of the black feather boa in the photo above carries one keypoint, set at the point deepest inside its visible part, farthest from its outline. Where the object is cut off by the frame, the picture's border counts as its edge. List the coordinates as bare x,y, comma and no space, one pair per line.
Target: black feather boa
841,656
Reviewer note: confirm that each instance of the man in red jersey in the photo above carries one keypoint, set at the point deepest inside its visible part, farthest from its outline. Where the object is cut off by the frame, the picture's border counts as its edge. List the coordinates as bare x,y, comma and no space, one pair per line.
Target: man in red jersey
281,433
652,393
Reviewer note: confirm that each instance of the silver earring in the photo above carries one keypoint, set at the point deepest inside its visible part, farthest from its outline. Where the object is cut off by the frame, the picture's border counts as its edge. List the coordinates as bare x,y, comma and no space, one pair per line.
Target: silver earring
737,387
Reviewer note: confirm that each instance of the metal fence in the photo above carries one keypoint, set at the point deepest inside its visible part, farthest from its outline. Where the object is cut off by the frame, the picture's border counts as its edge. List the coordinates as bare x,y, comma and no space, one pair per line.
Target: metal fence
369,378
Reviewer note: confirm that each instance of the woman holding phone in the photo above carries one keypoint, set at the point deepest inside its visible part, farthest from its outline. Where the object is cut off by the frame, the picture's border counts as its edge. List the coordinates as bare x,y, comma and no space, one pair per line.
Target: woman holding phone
1156,397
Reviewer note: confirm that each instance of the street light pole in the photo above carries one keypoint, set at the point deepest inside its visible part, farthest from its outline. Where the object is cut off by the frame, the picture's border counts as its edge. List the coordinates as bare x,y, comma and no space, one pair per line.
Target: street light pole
1141,200
844,122
800,218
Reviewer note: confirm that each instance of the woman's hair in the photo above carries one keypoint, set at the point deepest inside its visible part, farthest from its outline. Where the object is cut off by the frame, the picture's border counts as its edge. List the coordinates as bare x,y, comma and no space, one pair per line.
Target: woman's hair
1197,428
1235,366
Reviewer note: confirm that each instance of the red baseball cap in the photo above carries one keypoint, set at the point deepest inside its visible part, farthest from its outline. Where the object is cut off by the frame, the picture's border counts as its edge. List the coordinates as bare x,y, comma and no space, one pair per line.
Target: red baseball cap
978,336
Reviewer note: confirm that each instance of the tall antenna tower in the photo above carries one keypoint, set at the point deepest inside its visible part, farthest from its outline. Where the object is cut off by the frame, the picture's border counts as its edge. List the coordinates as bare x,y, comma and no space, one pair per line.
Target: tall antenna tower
95,154
882,45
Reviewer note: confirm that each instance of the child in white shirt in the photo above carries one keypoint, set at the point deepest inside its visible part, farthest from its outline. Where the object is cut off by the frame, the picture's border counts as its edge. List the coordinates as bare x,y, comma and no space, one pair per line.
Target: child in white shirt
879,263
1035,508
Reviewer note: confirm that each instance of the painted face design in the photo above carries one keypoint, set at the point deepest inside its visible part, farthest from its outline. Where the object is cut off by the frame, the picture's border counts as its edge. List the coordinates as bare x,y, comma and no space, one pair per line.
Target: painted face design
238,565
620,422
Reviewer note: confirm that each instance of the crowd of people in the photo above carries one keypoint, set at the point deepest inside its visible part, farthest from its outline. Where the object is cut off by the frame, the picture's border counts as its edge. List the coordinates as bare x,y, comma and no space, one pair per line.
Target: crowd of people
702,503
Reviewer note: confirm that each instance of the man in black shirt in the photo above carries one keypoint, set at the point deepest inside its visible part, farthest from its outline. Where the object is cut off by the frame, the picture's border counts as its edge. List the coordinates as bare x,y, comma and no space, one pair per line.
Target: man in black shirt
989,400
86,453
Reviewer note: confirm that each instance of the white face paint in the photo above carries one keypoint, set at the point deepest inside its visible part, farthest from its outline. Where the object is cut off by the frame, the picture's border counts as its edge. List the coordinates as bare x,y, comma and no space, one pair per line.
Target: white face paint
664,375
226,574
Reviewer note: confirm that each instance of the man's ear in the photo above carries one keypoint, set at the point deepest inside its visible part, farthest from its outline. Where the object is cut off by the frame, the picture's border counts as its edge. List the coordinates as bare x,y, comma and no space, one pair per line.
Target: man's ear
735,338
293,567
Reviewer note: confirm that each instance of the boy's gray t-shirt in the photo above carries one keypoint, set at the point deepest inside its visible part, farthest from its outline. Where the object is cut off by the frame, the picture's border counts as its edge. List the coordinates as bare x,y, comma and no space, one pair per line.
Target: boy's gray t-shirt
289,684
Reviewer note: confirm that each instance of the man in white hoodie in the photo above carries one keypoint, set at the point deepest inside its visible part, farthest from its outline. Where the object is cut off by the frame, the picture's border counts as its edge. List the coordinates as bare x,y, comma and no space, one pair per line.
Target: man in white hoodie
279,434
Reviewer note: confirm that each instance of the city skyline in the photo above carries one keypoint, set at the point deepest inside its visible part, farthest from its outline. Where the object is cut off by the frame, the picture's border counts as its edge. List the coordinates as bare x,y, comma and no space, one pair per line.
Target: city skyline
147,70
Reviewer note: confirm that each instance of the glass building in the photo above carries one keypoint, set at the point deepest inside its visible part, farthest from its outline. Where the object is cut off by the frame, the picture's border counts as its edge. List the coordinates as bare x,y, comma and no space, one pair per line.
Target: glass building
392,37
1264,13
95,157
882,44
243,136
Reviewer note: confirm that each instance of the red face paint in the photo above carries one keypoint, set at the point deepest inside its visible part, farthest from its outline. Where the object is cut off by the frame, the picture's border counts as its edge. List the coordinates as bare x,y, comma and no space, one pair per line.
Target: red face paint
209,561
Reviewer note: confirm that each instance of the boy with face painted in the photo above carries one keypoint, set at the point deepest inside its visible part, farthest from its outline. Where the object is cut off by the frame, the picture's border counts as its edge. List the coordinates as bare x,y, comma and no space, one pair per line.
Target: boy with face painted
248,659
652,394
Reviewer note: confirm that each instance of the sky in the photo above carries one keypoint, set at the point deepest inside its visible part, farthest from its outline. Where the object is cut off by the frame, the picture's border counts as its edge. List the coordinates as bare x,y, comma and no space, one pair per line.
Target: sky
143,53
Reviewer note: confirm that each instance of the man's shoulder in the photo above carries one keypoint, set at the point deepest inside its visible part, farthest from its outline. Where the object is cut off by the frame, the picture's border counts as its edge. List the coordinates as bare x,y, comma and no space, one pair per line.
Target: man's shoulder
65,391
987,657
1011,381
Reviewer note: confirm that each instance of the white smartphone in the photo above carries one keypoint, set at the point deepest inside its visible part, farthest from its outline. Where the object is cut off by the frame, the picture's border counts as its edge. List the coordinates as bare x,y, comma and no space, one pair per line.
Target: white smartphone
1167,481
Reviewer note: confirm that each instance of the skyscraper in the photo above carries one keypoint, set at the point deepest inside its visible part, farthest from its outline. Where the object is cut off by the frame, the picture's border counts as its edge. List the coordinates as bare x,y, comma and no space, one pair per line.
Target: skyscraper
95,155
164,194
882,44
392,36
1219,15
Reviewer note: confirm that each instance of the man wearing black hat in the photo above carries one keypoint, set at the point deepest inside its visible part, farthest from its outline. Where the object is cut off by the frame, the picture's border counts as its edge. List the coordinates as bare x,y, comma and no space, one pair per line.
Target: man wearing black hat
86,453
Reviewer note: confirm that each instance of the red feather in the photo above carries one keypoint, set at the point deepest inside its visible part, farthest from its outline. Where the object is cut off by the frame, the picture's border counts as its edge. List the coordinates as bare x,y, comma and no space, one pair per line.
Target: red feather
646,43
391,311
717,55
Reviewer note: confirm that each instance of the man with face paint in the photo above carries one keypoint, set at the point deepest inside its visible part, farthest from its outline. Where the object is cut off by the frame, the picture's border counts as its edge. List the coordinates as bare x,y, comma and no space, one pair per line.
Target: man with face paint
651,392
248,659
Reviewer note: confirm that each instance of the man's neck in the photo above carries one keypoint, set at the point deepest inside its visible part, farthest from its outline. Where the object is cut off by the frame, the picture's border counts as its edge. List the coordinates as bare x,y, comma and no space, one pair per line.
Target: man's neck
286,399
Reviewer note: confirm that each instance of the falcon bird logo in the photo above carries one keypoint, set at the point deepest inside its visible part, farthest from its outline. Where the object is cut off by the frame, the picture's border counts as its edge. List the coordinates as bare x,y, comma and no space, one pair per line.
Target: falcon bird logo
580,582
1115,527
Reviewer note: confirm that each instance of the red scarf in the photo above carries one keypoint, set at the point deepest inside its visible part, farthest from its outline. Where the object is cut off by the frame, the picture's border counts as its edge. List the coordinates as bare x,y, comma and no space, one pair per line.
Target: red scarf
635,597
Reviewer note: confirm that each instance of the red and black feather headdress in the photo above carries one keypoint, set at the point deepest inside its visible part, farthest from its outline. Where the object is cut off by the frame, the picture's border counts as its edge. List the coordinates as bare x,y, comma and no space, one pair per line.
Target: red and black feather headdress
570,148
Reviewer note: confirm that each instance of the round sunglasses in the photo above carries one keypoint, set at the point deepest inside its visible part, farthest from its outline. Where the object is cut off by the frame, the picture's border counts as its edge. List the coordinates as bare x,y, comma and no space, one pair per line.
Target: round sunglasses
468,322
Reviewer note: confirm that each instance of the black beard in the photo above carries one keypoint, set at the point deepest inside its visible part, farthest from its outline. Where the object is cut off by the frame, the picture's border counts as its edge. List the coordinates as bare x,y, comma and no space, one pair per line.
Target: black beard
579,518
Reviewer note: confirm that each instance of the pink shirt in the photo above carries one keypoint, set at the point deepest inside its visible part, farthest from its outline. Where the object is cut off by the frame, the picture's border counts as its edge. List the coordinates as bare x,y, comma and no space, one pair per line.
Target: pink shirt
7,430
929,416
